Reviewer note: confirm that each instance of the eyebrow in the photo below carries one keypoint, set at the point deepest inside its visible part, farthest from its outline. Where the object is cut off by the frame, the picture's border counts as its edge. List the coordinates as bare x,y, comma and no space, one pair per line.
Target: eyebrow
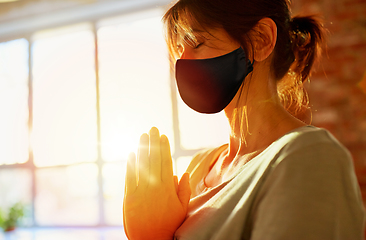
202,33
198,30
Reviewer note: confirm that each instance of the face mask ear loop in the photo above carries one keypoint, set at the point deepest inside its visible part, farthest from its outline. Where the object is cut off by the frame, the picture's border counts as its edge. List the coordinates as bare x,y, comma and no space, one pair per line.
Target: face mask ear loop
250,65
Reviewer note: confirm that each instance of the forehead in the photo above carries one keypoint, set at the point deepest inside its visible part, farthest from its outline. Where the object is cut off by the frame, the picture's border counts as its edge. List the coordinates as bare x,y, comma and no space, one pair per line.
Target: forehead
184,22
185,25
207,34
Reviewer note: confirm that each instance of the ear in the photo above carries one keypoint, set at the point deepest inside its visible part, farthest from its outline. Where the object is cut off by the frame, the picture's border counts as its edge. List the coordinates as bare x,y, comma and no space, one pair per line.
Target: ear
265,37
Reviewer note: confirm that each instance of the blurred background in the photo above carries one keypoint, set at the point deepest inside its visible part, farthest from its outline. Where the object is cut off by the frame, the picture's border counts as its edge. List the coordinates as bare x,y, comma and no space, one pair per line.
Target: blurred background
337,89
81,80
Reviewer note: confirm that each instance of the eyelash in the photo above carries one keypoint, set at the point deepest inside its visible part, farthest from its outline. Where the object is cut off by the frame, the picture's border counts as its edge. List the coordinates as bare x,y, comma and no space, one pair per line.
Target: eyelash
179,47
198,45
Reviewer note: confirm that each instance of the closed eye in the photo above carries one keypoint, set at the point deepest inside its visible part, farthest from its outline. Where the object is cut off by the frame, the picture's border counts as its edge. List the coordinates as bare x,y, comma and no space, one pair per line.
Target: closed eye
198,45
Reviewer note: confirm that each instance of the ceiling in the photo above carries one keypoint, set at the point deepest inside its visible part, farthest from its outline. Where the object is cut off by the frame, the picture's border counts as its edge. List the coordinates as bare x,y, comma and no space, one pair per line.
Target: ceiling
26,8
19,18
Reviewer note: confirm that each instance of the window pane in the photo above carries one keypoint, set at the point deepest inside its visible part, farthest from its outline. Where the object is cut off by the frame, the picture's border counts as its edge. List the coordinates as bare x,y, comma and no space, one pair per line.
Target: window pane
134,84
199,130
15,186
67,195
14,101
19,234
64,129
181,165
65,234
114,182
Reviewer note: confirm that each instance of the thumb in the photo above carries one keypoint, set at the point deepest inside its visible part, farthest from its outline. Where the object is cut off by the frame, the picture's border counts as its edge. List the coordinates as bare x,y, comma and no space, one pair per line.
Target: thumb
184,191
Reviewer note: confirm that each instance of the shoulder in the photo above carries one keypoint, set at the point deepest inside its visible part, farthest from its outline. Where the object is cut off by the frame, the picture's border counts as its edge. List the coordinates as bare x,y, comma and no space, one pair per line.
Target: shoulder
312,189
312,145
314,163
312,136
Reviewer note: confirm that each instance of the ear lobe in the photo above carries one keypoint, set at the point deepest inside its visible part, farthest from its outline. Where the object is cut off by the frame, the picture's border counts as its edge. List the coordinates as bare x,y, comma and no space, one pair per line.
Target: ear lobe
265,39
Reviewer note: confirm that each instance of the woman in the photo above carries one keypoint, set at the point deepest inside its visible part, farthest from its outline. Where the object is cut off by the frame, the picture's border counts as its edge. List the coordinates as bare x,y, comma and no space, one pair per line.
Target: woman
277,178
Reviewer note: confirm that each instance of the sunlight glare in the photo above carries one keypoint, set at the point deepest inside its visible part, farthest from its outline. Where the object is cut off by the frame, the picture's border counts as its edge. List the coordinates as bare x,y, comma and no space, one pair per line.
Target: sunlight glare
134,85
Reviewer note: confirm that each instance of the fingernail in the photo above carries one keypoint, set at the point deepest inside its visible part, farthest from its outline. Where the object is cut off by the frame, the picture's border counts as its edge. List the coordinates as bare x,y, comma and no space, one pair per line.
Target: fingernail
154,131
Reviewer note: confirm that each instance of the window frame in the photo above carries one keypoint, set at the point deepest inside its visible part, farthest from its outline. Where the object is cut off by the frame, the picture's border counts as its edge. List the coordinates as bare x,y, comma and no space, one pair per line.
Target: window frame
25,29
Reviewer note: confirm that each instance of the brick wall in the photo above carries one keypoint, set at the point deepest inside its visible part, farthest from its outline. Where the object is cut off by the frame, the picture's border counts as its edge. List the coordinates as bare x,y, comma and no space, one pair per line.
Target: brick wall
338,88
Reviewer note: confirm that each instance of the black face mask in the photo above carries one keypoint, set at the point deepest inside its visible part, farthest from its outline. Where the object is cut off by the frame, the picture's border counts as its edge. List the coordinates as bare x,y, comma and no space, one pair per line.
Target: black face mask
209,85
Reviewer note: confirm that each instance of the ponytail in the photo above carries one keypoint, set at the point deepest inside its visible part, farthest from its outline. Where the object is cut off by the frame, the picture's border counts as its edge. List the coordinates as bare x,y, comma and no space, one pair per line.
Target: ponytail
306,34
305,38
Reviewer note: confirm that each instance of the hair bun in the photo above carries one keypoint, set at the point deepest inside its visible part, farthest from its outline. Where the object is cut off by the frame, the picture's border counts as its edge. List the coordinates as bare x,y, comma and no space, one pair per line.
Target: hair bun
300,32
307,35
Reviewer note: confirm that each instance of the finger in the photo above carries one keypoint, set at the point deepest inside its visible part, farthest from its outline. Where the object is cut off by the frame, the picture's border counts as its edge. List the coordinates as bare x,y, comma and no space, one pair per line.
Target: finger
176,183
166,160
131,177
143,161
184,190
155,156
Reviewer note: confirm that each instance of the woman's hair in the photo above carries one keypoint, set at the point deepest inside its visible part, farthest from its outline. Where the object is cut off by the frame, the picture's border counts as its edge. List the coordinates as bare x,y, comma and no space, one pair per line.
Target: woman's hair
299,39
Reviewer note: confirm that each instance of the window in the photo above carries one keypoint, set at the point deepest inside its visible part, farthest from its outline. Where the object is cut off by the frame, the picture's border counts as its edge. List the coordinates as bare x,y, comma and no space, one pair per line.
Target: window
68,126
15,183
14,101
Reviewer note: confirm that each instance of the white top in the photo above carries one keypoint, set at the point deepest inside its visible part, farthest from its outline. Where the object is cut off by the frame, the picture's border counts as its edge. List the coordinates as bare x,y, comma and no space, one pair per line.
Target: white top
302,186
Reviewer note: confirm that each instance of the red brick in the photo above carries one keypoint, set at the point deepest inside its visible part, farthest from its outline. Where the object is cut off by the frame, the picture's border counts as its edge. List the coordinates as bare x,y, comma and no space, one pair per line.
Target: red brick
337,101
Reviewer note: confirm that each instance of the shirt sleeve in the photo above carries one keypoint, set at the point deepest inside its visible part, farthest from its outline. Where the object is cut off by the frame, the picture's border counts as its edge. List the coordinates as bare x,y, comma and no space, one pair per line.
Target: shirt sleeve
311,193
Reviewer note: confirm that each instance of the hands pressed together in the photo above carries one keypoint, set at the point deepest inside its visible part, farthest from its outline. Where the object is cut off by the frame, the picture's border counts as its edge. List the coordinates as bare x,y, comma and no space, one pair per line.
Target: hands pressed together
155,204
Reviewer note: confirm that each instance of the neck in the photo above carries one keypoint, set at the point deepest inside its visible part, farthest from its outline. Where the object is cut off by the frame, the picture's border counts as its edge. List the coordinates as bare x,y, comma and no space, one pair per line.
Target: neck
257,122
253,129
